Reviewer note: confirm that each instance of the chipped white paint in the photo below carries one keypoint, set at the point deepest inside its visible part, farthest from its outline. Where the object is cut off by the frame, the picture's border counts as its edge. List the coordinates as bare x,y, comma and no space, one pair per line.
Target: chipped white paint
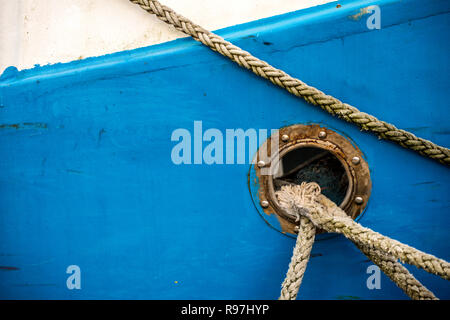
49,31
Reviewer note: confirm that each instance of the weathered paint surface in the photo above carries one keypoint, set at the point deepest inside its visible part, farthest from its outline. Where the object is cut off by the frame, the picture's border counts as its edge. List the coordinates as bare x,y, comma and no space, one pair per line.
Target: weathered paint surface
51,31
96,187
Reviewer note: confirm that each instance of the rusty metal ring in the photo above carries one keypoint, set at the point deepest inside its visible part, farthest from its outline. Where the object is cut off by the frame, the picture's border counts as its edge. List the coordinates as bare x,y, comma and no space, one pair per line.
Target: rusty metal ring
300,136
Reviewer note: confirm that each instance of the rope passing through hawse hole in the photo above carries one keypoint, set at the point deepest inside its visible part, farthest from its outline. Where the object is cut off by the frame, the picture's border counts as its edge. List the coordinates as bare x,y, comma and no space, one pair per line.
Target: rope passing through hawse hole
295,86
305,202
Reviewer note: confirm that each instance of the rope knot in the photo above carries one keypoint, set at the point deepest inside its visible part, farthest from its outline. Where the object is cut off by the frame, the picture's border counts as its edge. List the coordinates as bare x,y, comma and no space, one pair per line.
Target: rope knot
299,200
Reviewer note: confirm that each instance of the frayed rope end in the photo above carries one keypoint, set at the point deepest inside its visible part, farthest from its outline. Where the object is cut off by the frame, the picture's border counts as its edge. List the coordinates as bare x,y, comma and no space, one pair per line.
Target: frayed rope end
296,198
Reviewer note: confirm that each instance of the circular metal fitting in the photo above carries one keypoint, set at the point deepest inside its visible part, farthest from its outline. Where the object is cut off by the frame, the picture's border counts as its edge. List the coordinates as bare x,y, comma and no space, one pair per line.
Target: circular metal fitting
263,181
261,164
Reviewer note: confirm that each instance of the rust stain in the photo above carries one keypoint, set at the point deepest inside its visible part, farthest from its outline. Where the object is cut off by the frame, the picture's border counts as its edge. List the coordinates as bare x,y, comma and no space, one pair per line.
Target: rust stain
8,268
361,12
338,145
25,125
13,126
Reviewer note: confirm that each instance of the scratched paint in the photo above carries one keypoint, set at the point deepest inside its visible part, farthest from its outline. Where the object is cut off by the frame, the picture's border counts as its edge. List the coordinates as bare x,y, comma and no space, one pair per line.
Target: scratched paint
114,204
360,14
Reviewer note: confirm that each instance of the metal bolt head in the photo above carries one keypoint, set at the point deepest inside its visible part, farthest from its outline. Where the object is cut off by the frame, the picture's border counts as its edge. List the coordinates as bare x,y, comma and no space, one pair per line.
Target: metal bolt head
264,203
359,200
356,160
285,138
261,163
322,134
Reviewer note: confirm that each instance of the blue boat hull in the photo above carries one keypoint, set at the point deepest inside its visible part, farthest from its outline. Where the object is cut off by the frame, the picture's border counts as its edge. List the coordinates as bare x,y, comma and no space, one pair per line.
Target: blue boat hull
87,177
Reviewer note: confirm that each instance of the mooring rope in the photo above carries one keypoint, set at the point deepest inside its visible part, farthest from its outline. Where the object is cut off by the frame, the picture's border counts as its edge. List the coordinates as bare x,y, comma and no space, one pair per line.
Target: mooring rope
398,274
296,87
303,246
306,202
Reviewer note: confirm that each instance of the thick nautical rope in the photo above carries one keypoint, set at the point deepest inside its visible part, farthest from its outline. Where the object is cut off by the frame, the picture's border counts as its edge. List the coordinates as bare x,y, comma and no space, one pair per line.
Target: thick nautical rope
389,265
296,87
303,246
299,260
383,251
398,274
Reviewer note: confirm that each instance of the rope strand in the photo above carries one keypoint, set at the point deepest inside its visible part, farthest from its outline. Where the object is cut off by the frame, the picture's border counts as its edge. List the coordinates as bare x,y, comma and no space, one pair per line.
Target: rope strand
300,258
382,250
296,87
398,274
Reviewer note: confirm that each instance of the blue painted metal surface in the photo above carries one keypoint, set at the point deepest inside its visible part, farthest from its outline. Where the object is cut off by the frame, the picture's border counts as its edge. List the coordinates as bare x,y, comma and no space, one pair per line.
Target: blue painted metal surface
87,178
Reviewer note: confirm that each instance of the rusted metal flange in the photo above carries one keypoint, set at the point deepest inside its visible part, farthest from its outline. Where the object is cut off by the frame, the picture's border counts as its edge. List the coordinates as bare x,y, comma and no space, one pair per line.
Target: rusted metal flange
290,138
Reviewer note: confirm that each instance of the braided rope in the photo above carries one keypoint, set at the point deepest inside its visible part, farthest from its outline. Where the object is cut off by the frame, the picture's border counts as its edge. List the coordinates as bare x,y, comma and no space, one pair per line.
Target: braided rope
296,87
387,263
303,246
398,274
382,250
300,258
